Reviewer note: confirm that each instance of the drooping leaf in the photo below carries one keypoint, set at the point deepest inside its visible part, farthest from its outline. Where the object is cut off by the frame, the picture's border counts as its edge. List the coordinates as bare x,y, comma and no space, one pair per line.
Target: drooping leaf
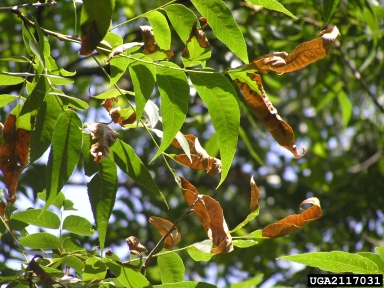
36,98
46,119
199,158
221,20
174,92
211,217
143,79
160,28
95,20
128,161
335,261
78,225
272,5
294,222
303,55
102,191
94,269
171,268
103,137
163,226
260,105
329,8
40,272
64,154
13,153
41,240
151,48
221,100
6,99
182,19
38,217
135,246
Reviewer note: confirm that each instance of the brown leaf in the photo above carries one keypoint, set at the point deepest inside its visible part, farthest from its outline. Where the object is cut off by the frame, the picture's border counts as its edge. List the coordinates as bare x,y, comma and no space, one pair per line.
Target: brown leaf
108,103
150,45
294,222
135,246
200,158
211,216
199,35
34,267
264,110
303,55
104,136
90,38
163,226
255,196
13,154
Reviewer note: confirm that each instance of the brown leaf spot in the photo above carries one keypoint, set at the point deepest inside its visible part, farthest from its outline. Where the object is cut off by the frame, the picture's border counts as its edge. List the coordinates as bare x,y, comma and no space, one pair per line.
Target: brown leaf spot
163,226
90,38
264,110
199,35
294,222
13,154
150,45
104,136
255,196
135,246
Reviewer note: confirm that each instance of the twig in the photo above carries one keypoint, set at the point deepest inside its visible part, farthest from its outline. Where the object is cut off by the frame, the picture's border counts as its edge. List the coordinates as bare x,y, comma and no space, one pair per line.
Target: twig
37,4
150,255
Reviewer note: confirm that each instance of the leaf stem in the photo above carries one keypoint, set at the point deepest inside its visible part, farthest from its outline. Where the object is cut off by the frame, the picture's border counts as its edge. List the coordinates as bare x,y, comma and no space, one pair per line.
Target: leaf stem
151,254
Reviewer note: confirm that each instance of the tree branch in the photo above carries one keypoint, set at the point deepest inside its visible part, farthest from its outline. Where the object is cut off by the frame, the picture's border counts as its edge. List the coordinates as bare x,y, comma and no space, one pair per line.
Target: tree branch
17,7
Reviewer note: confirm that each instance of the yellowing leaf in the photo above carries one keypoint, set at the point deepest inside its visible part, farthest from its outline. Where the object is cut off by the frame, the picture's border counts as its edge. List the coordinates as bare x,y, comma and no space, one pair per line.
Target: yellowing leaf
104,136
303,55
163,226
264,110
294,222
200,158
211,216
13,154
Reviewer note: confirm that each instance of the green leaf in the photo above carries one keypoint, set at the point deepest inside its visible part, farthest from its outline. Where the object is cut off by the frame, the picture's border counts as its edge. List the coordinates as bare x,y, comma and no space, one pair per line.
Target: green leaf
36,98
129,277
112,93
244,243
42,240
256,235
94,269
38,217
72,246
74,262
31,45
380,251
21,59
272,5
90,166
102,194
250,283
174,92
201,251
197,55
249,218
221,100
127,160
329,7
143,79
335,261
221,20
78,225
182,19
57,202
119,65
7,98
160,28
346,106
41,138
374,258
65,151
6,79
24,121
171,268
250,148
95,21
71,101
187,284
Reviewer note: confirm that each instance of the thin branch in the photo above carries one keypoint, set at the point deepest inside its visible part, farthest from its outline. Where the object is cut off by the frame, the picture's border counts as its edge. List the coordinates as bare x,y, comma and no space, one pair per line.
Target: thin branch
37,4
150,255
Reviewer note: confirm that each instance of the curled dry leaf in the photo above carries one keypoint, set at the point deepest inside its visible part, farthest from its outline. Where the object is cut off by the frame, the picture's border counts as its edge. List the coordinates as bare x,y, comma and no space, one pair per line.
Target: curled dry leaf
121,48
211,217
294,222
34,267
303,55
199,35
90,38
255,196
163,226
104,136
264,110
108,103
13,154
135,246
118,115
200,158
150,45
